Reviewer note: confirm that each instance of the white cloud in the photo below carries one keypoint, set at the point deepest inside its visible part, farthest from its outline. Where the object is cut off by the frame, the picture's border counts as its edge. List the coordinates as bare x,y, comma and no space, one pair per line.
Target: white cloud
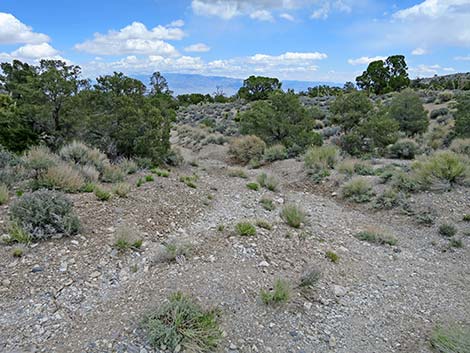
419,51
262,9
177,23
262,15
13,31
300,66
33,53
197,48
429,70
287,17
462,58
134,39
365,60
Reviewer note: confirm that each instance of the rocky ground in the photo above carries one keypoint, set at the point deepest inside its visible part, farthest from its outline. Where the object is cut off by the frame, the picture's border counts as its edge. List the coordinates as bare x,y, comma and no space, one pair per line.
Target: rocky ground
81,295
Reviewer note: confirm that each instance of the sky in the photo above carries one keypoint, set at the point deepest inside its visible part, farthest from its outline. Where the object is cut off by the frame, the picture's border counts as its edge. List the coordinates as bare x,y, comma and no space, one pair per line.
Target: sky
308,40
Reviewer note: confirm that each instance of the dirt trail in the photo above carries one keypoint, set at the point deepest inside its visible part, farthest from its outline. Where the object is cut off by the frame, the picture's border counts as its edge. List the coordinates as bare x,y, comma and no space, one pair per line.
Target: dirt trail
89,298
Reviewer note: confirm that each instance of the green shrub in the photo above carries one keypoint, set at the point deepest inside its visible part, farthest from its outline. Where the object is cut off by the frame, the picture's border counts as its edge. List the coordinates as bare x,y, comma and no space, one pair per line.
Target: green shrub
456,243
346,166
247,148
161,172
38,159
466,218
4,195
310,277
461,146
444,166
237,173
149,178
379,131
44,213
279,294
89,173
324,157
275,153
349,109
407,109
17,252
88,187
267,204
79,153
126,238
293,215
269,182
404,149
139,182
358,190
174,157
16,234
102,194
245,229
404,182
182,323
447,230
332,256
122,189
451,339
375,237
253,186
364,168
438,112
389,199
462,116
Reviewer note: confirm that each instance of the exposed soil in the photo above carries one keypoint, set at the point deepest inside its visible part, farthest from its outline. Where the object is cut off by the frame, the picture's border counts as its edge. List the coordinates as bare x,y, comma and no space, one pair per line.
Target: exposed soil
81,295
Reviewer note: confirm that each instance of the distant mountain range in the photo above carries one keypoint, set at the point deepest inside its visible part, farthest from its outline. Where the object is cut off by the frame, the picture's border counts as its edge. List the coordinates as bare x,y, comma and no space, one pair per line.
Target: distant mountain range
190,83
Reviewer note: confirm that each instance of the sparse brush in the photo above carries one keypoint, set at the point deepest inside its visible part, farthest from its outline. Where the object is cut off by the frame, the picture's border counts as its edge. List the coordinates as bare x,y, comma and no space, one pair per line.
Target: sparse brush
389,199
112,174
358,190
17,252
237,173
247,148
102,194
267,204
149,178
139,182
220,228
189,181
182,323
4,195
466,218
122,189
88,187
79,153
253,186
16,234
275,153
310,277
128,166
293,215
453,339
174,249
332,256
376,237
269,182
279,294
126,238
456,243
364,168
447,230
61,177
245,229
262,223
38,159
161,172
89,173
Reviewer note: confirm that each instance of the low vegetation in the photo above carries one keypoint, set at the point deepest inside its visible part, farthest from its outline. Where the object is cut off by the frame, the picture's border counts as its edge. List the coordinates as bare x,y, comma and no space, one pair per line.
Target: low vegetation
358,190
455,339
376,237
293,215
278,295
245,229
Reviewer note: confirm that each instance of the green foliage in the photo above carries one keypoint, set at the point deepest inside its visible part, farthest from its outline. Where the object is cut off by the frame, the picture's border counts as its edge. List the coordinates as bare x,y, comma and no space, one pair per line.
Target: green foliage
43,214
182,323
245,229
122,189
4,194
149,178
161,172
466,218
379,130
389,199
279,294
281,119
293,215
406,108
453,339
102,194
404,149
16,234
324,157
269,182
247,148
275,153
79,153
462,116
310,277
374,237
267,204
17,252
189,180
441,167
358,190
385,76
262,223
258,87
126,239
128,166
461,146
332,256
350,109
253,186
112,174
447,230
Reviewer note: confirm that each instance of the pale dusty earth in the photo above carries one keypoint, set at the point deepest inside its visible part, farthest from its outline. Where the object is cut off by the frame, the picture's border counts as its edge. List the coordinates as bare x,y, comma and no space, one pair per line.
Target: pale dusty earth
80,294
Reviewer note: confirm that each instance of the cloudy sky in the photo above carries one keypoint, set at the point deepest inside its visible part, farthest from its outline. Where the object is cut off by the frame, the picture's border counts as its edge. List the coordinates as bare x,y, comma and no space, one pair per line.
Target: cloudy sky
321,40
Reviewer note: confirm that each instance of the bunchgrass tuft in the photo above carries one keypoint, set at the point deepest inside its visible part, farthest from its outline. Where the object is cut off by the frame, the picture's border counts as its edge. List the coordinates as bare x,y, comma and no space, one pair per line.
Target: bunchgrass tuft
332,256
375,237
268,204
4,195
180,324
447,230
279,294
262,223
245,229
102,194
451,339
253,186
293,215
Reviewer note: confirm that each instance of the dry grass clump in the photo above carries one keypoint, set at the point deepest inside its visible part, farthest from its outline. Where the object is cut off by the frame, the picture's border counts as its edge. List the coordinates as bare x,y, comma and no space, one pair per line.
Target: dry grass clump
247,148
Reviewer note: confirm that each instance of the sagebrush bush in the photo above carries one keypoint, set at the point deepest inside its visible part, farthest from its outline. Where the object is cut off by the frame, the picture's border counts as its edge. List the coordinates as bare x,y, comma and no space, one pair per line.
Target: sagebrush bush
461,146
4,194
406,108
438,112
403,149
79,153
364,168
275,153
447,230
38,159
389,199
174,157
279,294
44,214
324,157
247,148
358,190
293,215
443,167
182,323
310,277
62,177
404,181
112,174
89,172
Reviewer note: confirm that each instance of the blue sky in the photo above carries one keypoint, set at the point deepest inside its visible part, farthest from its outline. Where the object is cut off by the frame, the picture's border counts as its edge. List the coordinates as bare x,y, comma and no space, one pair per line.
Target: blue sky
321,40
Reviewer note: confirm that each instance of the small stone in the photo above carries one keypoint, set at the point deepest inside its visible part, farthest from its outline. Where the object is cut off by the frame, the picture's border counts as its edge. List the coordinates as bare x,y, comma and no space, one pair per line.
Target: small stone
332,342
37,268
6,282
339,291
308,305
233,346
177,348
95,274
263,264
